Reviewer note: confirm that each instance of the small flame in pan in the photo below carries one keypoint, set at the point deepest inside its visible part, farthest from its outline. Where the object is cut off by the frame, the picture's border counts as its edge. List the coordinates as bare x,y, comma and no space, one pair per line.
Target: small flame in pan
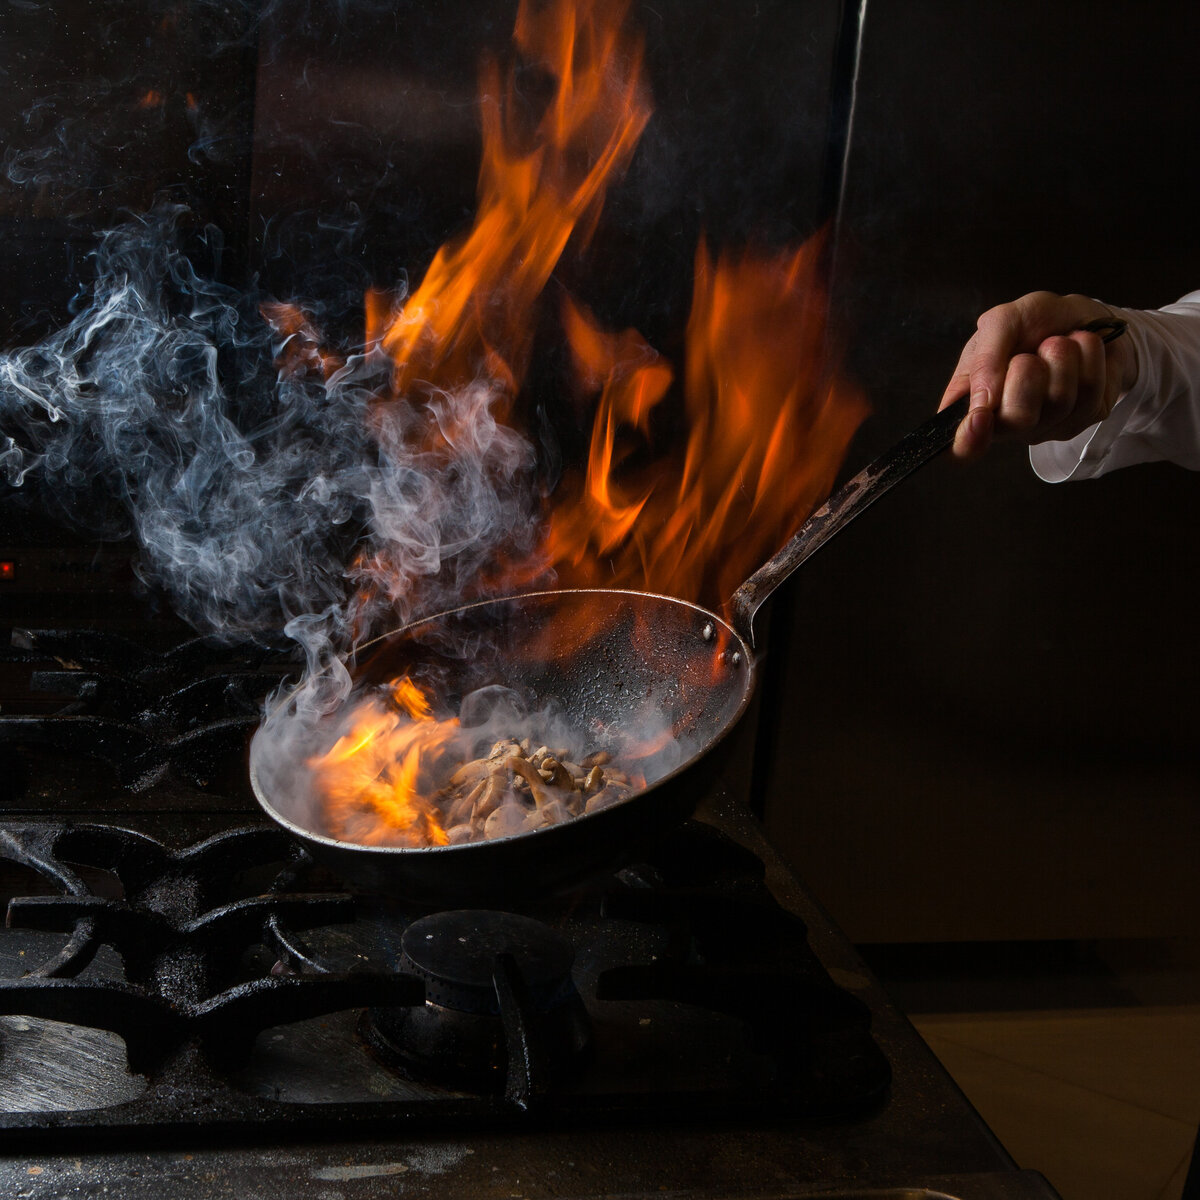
400,776
374,776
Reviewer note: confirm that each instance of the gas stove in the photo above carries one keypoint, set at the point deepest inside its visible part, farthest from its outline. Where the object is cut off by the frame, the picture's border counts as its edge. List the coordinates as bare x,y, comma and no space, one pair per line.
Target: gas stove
189,1002
188,1005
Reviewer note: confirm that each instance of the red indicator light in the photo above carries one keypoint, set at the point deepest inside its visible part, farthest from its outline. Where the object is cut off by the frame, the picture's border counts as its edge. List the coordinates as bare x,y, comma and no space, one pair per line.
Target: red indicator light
8,570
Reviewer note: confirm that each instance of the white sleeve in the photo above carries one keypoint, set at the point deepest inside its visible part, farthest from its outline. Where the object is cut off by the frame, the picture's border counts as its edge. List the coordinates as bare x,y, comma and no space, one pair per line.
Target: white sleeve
1158,419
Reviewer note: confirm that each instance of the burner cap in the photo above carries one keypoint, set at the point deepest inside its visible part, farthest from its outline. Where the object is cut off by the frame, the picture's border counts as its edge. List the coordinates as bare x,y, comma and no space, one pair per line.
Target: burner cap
464,1031
455,953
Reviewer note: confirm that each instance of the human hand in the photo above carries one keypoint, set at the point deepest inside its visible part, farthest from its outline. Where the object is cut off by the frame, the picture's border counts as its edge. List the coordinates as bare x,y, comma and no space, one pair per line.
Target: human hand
1032,372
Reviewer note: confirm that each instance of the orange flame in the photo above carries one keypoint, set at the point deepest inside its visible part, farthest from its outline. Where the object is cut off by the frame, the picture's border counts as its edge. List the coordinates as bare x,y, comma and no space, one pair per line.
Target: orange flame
768,426
767,419
471,313
374,778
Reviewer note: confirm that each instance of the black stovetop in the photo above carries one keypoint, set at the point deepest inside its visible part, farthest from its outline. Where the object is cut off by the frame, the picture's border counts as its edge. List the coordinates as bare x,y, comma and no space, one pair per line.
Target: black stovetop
192,1006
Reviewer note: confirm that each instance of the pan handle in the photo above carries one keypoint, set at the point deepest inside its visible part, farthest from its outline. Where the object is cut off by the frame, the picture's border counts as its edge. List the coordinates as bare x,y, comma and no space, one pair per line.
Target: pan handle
852,498
859,493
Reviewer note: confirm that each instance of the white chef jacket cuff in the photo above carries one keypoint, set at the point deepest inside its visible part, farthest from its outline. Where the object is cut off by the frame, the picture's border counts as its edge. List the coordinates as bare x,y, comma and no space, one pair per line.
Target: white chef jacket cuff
1158,419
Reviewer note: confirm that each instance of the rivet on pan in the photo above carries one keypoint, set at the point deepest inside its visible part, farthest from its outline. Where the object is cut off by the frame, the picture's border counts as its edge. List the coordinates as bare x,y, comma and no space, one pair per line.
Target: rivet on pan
736,658
708,632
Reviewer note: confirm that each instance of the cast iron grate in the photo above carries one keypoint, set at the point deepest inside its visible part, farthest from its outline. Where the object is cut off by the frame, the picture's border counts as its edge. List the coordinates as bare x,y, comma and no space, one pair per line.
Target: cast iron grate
106,698
244,1012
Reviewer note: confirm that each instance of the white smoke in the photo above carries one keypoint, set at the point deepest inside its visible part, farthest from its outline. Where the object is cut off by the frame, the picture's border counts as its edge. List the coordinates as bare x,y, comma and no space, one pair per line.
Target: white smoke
264,501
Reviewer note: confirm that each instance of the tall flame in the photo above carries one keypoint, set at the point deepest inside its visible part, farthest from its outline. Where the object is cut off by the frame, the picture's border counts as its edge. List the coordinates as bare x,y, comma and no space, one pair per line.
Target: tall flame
767,420
768,425
472,311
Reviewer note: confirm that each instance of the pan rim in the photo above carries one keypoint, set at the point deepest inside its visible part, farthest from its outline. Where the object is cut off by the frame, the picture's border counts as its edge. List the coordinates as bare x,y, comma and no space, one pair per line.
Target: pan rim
748,664
555,593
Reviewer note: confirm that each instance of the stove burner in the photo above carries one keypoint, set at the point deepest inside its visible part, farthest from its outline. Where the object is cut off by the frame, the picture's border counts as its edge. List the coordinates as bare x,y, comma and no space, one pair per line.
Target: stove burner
501,1010
454,951
704,997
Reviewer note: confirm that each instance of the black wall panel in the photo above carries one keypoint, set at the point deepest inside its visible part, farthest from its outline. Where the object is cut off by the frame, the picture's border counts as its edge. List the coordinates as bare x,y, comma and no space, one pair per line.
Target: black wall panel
991,708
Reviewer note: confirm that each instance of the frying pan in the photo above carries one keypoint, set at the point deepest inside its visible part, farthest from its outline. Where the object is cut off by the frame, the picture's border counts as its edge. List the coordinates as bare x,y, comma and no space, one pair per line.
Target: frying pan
611,656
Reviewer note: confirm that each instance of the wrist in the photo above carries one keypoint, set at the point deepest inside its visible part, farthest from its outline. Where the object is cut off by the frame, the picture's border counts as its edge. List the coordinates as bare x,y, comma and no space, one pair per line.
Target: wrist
1123,355
1120,363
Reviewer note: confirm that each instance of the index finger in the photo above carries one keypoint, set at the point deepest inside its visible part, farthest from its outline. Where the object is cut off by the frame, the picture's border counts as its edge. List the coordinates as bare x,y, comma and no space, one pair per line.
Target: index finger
974,433
999,334
960,381
999,337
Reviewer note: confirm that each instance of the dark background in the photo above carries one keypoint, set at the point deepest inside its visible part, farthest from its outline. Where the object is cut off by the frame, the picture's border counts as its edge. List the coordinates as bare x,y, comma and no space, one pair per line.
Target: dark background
980,710
991,711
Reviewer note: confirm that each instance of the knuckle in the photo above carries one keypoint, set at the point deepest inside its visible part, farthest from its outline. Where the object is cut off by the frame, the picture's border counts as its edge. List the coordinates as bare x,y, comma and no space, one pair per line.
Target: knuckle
1036,302
999,317
1059,348
1062,356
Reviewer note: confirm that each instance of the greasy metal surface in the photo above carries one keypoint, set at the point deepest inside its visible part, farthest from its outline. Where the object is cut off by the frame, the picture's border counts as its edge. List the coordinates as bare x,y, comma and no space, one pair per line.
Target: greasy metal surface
453,952
43,1079
124,711
171,991
687,1019
924,1130
446,1168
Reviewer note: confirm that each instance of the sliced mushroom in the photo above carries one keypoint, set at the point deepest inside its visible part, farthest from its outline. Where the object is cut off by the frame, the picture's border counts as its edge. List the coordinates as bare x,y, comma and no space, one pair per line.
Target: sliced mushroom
469,772
505,821
490,797
462,806
515,789
551,813
605,798
528,772
555,774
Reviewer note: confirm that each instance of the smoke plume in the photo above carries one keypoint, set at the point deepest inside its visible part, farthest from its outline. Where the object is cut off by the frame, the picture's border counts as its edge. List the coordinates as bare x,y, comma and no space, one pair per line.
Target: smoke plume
243,459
